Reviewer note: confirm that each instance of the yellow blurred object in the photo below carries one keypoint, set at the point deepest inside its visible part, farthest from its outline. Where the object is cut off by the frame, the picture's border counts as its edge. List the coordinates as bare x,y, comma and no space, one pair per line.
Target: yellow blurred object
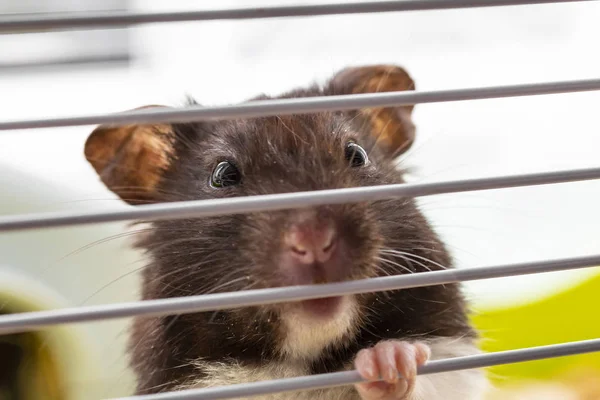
29,369
52,364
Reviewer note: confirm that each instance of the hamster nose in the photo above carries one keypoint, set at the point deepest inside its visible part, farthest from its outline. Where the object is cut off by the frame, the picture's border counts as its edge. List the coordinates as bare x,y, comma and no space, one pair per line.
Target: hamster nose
308,244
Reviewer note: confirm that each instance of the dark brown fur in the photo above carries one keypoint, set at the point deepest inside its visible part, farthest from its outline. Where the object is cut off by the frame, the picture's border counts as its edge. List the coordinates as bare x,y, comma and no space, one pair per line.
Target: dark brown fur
278,155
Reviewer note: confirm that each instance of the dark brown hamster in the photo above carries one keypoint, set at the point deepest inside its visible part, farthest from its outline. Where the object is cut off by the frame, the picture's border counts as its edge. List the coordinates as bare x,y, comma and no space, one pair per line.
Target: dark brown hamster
379,334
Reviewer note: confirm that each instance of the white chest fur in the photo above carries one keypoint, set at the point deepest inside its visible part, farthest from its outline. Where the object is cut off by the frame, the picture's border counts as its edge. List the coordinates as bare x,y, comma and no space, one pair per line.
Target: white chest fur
459,385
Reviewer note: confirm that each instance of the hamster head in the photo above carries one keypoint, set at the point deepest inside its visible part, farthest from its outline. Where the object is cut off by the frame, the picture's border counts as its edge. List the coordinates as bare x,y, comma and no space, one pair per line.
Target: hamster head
257,156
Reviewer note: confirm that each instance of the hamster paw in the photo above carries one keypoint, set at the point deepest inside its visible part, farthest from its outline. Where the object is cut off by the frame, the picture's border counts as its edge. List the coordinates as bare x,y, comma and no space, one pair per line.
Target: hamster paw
393,361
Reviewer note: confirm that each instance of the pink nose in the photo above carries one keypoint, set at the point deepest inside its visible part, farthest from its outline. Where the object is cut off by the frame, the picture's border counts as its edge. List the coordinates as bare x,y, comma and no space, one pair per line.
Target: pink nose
310,243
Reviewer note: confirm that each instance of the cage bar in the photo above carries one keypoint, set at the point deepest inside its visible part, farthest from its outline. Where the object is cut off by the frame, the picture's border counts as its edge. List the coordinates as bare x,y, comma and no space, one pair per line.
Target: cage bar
248,204
98,20
307,105
350,377
15,323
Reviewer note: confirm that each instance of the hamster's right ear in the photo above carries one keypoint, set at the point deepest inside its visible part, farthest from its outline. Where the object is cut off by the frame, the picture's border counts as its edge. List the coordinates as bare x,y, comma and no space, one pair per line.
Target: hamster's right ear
131,159
392,127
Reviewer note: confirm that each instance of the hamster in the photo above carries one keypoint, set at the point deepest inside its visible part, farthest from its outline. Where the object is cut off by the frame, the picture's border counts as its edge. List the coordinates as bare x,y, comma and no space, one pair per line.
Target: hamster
380,334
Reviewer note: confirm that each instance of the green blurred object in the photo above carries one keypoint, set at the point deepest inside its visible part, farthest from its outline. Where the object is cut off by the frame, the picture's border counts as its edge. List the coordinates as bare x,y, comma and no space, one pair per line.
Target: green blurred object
569,315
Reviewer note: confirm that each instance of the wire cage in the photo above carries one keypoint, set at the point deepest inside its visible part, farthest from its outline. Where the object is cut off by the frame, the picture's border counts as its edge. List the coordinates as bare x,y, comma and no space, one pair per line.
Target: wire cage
33,319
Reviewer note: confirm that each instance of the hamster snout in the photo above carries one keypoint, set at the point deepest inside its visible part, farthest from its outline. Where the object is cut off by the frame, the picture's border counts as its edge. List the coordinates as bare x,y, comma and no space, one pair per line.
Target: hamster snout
312,253
310,241
310,246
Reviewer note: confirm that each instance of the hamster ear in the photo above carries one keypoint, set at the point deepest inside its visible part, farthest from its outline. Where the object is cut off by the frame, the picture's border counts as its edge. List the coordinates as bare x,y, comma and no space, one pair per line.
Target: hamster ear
392,127
131,159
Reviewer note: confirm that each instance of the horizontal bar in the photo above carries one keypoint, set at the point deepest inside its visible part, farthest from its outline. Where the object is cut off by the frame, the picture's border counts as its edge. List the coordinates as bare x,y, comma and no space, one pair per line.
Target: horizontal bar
249,204
351,377
15,323
111,19
306,105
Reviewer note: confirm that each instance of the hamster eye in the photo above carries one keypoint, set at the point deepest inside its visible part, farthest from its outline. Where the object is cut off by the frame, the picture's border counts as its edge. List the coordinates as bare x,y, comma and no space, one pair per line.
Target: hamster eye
356,155
225,174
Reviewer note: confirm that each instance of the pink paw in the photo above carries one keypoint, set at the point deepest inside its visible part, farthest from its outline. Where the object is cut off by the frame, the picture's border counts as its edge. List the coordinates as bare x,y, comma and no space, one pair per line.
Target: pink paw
394,362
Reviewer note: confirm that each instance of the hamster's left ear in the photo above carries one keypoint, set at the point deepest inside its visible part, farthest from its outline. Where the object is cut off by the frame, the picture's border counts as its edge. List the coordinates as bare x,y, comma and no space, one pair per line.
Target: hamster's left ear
131,159
392,127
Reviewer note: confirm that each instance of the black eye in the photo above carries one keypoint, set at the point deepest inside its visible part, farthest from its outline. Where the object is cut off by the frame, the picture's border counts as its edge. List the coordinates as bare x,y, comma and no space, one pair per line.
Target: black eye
225,174
356,155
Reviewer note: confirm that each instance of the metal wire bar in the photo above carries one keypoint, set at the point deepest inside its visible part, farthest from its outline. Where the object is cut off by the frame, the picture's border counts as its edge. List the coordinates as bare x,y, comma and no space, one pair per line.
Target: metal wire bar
97,20
248,204
306,105
350,377
23,322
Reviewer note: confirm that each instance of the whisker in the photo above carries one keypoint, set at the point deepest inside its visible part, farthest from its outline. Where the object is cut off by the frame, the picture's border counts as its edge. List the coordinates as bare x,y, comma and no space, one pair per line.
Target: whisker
221,286
192,269
111,283
398,252
104,240
215,313
386,261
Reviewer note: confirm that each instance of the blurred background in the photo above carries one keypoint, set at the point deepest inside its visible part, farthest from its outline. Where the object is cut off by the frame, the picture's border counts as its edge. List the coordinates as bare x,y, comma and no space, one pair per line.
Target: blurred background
55,74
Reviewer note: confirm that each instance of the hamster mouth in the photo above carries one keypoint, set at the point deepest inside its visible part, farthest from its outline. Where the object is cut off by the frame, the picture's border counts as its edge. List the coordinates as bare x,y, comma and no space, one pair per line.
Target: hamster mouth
310,326
322,308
